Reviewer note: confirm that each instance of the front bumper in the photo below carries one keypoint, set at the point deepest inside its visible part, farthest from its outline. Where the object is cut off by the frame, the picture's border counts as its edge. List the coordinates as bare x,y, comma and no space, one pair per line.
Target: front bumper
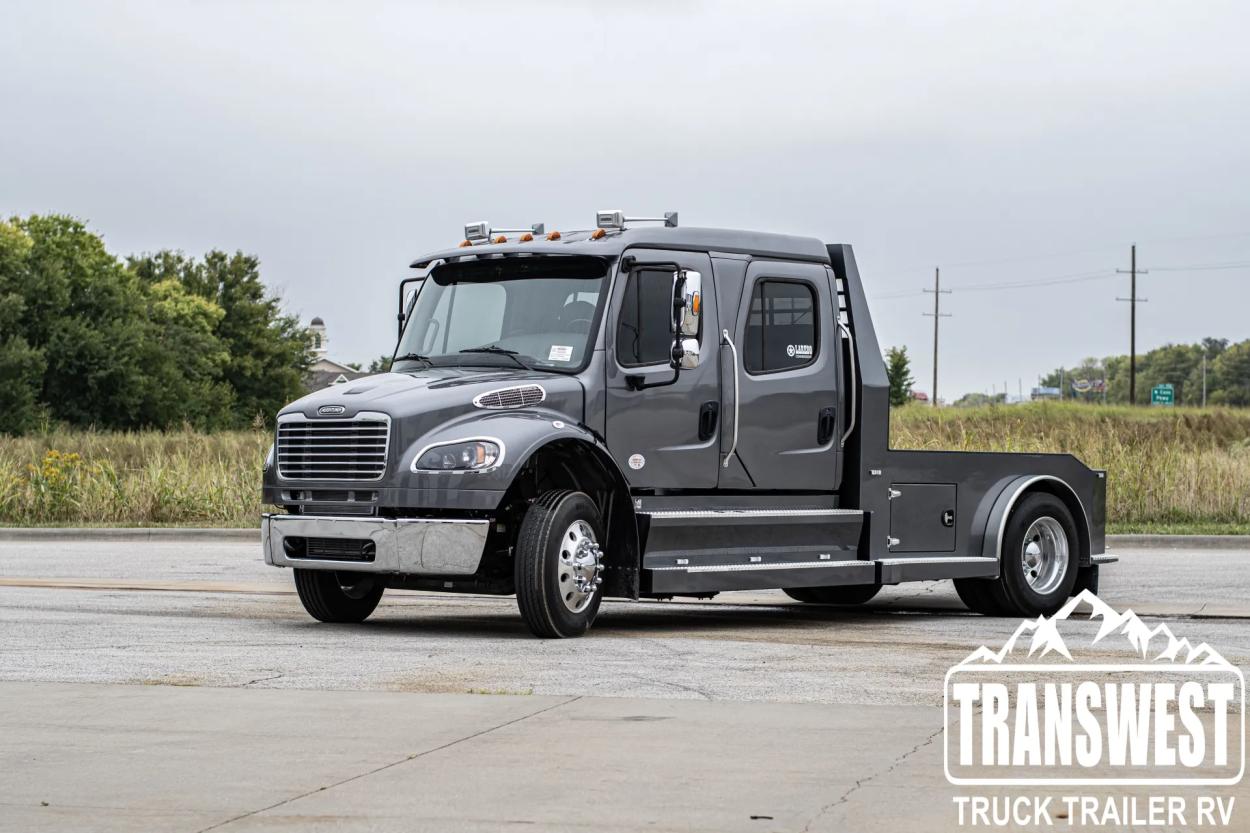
412,546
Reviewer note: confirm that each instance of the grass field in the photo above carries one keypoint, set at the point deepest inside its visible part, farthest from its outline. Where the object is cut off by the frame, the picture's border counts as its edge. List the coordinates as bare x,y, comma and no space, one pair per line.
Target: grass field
1175,470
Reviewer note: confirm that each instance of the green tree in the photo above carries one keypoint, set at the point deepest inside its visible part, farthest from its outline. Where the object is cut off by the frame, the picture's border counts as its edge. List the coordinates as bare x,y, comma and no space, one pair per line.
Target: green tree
1231,370
267,351
82,312
382,364
898,371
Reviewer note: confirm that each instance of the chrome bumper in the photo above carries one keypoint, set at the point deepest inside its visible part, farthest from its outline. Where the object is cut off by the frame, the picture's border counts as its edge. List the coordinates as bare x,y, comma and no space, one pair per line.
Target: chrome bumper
419,546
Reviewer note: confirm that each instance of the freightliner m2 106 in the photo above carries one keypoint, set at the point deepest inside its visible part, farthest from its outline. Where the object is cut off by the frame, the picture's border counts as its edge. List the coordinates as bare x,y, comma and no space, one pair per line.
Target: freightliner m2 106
645,411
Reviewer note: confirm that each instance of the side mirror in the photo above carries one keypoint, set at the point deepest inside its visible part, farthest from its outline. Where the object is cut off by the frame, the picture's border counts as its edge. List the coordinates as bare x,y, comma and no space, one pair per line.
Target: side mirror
691,283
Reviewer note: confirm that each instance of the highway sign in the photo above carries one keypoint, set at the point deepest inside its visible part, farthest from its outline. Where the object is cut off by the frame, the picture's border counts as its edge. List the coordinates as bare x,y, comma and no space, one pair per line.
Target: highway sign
1162,395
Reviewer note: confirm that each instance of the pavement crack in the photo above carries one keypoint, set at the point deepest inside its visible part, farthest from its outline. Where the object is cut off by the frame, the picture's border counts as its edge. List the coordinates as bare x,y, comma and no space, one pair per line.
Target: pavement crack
842,799
387,766
262,680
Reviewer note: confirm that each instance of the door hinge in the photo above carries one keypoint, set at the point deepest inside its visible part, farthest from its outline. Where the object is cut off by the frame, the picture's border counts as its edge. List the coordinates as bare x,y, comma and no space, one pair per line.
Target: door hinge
892,542
894,493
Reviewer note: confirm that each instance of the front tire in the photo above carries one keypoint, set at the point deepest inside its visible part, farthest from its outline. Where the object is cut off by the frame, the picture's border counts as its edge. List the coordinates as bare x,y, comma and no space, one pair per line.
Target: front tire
558,561
331,596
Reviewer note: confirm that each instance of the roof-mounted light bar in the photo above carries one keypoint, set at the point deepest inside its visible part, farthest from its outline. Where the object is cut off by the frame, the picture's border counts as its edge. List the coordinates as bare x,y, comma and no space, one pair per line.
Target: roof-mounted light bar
481,232
615,220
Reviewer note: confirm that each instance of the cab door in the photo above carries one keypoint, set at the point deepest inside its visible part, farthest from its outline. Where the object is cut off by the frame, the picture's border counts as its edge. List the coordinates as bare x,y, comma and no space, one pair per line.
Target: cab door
666,436
786,357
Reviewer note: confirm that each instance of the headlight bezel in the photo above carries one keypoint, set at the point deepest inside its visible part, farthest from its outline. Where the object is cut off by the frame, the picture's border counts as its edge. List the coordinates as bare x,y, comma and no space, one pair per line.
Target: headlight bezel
490,464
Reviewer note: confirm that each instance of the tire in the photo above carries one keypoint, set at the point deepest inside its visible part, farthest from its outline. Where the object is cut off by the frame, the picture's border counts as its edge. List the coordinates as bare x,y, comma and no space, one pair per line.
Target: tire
1039,587
557,565
848,594
330,596
977,594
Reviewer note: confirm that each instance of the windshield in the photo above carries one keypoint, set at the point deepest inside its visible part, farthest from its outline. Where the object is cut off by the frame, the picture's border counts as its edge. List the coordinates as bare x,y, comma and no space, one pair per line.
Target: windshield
536,312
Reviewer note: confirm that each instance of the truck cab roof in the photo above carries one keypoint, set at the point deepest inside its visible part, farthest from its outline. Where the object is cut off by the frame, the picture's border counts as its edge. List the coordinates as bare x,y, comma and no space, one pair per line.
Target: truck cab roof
613,243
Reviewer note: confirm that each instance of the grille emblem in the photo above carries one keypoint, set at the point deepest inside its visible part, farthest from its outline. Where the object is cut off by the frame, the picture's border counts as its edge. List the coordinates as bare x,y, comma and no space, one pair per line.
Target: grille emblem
329,410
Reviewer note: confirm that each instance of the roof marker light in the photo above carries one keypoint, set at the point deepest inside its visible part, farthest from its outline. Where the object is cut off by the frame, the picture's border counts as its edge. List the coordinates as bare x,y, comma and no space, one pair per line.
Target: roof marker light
553,235
597,234
500,239
525,238
465,244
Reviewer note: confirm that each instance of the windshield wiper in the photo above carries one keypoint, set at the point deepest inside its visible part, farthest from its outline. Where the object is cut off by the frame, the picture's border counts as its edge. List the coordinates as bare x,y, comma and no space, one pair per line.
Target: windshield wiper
496,350
413,357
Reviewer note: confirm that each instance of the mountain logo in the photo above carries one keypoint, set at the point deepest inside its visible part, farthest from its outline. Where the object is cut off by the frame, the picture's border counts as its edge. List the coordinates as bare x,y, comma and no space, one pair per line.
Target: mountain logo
1103,698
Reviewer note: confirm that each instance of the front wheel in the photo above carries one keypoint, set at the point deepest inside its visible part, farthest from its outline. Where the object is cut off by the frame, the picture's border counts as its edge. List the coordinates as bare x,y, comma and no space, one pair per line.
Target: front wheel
331,596
558,561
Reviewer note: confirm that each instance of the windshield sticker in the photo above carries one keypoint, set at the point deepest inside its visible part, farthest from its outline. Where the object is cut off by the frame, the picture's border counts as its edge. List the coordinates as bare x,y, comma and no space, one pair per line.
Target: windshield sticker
802,351
560,353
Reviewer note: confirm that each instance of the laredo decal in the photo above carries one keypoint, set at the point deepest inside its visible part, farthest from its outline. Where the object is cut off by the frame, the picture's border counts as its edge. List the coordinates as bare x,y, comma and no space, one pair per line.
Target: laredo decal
799,351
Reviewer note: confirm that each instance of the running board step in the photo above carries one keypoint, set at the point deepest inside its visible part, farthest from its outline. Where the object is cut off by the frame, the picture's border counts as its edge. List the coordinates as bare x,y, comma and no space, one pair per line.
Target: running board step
692,549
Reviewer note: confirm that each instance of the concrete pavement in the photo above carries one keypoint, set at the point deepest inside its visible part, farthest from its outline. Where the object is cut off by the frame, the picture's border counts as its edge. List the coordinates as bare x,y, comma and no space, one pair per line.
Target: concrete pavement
178,685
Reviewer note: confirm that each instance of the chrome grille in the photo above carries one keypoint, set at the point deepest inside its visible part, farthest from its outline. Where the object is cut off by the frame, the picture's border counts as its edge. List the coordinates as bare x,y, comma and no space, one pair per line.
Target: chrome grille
518,397
333,449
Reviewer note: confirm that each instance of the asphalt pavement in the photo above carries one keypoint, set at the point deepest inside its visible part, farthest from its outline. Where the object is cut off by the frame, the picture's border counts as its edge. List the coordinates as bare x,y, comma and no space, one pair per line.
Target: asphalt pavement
178,685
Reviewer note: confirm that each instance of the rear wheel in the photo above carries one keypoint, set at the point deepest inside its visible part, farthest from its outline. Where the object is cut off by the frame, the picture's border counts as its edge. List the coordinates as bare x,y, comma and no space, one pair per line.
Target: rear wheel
558,561
1039,566
848,594
331,596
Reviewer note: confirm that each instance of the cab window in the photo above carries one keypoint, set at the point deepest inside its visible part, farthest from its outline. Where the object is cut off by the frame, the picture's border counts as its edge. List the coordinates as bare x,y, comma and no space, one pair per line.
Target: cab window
781,331
644,330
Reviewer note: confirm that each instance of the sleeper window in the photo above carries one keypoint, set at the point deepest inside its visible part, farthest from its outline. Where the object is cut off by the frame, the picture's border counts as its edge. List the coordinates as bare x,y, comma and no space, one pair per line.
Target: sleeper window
781,328
644,331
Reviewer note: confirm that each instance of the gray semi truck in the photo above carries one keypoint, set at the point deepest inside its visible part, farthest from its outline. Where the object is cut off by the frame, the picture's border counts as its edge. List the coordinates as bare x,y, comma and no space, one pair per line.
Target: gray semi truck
641,410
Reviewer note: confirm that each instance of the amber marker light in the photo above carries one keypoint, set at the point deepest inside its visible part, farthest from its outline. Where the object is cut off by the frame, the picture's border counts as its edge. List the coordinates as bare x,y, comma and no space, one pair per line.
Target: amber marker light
597,234
500,239
465,244
553,235
525,238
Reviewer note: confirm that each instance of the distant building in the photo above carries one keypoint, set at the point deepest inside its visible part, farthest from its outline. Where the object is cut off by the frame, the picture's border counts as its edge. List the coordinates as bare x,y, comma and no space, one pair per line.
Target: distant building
324,371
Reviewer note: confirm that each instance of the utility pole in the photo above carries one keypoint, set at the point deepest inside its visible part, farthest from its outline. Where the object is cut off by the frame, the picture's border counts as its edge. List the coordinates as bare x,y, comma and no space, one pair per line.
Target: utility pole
1204,376
938,315
1133,301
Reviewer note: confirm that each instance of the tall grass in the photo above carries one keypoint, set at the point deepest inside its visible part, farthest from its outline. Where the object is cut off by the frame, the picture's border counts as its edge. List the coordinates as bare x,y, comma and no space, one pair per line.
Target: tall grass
1168,469
132,479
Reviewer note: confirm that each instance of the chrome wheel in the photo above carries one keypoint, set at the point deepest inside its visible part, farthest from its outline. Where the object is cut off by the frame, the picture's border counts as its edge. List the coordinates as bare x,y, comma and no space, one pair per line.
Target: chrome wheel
579,566
1044,555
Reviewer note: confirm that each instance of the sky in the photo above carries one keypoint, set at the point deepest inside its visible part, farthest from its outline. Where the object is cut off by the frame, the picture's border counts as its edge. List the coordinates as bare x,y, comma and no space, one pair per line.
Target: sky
1006,143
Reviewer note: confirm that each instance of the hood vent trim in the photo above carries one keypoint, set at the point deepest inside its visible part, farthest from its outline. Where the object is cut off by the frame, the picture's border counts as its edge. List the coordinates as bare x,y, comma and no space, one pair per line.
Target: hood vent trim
519,396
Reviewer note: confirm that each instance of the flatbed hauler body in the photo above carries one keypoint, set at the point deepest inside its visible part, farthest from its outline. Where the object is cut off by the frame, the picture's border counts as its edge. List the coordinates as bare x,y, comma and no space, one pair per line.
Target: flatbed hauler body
642,411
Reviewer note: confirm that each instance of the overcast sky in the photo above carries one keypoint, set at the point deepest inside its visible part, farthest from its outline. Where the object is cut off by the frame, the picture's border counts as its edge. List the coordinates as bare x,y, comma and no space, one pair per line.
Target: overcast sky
1004,142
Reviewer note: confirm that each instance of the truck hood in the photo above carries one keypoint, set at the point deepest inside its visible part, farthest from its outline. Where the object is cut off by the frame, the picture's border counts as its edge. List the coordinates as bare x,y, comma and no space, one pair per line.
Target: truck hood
423,401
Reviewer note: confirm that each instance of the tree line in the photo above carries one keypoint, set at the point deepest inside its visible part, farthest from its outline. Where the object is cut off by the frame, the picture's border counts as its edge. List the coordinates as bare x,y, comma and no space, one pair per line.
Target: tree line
1180,365
148,341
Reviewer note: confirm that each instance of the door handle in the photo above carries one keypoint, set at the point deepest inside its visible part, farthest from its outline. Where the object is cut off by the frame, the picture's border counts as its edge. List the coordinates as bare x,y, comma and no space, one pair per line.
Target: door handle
727,341
708,413
826,424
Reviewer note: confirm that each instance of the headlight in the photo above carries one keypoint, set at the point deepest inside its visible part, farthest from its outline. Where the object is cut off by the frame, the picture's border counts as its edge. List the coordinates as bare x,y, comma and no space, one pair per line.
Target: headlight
269,459
467,455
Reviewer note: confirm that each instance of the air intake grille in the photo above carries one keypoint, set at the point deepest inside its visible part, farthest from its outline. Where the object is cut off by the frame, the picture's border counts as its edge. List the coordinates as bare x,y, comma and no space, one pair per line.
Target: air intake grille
518,397
333,449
